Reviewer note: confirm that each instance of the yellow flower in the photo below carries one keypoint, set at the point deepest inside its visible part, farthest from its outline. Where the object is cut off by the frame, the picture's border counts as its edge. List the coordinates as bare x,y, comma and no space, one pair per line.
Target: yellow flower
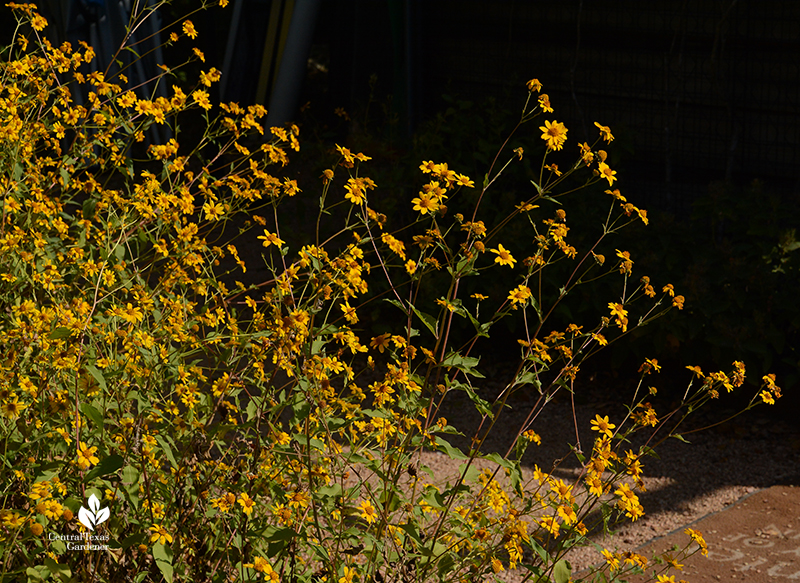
607,173
86,457
605,131
189,30
11,519
602,425
519,294
356,190
463,180
201,98
697,537
621,314
160,535
50,508
766,396
555,134
394,244
247,503
612,559
213,210
504,256
425,204
12,407
348,575
534,85
270,239
368,511
696,370
38,22
544,103
349,312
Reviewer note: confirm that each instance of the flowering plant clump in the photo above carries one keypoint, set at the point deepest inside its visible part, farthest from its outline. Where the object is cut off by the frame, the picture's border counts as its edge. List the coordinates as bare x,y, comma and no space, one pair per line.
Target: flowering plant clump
229,431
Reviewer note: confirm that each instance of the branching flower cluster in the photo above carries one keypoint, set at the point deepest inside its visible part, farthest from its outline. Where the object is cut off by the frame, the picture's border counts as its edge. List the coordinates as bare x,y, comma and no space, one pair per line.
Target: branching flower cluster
255,431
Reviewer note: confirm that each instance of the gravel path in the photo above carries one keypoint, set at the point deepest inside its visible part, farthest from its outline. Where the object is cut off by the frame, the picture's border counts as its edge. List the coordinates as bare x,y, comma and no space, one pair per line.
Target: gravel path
690,480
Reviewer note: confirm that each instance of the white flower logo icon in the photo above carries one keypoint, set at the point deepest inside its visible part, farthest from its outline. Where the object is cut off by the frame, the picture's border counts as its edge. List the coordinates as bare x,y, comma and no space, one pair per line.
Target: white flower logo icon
95,516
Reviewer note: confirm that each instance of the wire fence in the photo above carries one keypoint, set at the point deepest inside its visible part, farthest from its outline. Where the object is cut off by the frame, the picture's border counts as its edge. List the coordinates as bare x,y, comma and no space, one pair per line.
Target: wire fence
695,91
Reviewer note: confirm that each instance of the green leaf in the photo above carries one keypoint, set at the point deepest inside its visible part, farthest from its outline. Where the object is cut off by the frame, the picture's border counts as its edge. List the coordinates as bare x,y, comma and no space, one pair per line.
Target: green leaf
562,571
167,450
89,206
134,539
465,364
163,556
64,573
60,332
429,321
92,413
481,329
452,452
539,550
64,176
481,405
516,478
472,473
106,467
680,437
445,566
528,378
97,375
36,573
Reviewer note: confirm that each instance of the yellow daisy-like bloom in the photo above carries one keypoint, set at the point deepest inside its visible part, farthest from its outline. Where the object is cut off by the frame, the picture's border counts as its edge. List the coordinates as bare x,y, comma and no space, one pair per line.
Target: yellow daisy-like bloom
368,511
381,342
189,30
213,210
247,503
160,534
262,565
504,256
497,565
349,312
605,131
697,537
520,294
425,204
621,314
534,85
201,98
612,559
270,239
348,575
607,173
12,408
766,396
86,457
554,133
602,425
